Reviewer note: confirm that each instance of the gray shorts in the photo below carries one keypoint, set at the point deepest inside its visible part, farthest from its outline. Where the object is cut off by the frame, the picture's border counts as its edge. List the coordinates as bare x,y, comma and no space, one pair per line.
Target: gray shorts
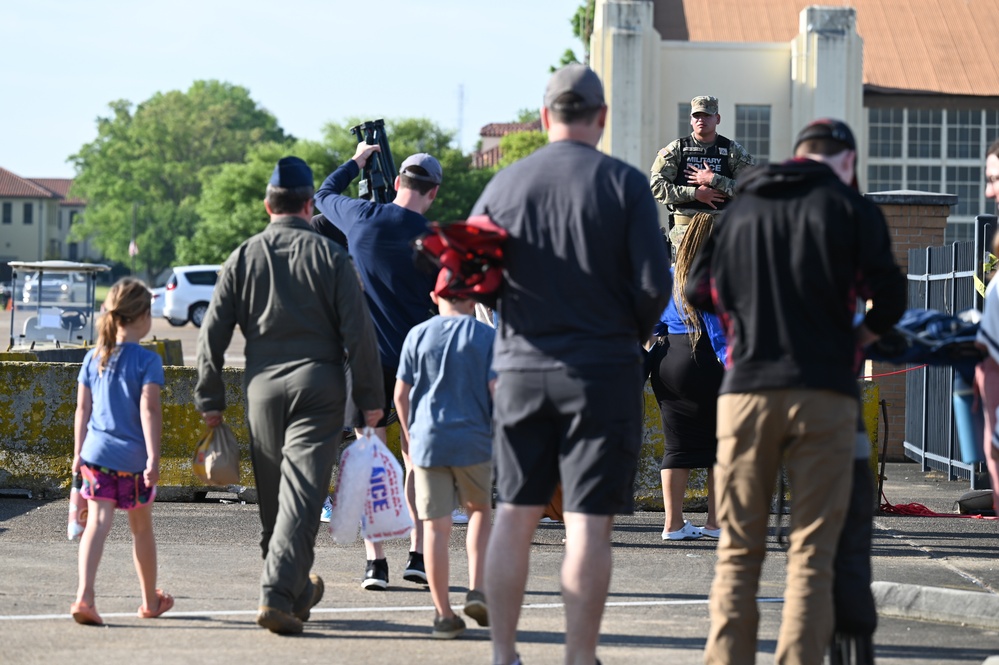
581,427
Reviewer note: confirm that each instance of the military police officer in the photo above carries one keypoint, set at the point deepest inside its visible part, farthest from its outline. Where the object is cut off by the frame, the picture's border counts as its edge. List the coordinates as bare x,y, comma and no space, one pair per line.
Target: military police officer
697,173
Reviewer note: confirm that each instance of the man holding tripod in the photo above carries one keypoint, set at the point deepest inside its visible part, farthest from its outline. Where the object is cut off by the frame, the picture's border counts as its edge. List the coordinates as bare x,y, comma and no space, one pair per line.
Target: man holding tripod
379,236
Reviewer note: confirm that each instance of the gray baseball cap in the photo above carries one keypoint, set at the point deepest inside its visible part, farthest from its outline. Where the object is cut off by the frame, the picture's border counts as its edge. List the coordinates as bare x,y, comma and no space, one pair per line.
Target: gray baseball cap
579,80
428,163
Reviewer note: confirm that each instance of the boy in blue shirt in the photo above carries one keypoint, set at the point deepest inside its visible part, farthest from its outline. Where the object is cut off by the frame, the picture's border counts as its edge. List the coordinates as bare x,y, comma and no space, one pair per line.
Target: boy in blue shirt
443,397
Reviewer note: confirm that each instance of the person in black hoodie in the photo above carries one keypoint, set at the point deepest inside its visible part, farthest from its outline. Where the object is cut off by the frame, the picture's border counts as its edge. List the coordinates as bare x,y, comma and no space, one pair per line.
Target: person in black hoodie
783,271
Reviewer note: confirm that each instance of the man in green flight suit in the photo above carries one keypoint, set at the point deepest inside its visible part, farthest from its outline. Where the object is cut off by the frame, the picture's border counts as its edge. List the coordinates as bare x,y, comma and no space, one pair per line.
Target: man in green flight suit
697,173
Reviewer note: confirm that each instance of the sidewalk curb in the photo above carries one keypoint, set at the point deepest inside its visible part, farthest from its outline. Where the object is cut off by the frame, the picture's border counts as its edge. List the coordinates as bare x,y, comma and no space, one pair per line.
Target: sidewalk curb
912,601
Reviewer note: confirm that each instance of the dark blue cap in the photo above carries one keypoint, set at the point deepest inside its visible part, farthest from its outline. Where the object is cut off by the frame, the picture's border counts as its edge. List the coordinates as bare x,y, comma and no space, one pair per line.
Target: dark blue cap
291,172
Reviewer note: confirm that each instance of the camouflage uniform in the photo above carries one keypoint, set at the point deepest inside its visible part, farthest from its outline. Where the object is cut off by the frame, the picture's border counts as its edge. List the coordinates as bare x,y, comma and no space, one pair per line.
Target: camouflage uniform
666,168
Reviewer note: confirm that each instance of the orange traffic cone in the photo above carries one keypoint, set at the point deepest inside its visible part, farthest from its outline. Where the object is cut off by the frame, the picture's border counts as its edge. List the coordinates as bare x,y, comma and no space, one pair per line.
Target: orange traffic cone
10,304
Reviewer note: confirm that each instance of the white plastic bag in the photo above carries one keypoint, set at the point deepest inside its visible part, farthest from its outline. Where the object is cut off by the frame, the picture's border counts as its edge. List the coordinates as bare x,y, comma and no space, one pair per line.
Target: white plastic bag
352,480
386,515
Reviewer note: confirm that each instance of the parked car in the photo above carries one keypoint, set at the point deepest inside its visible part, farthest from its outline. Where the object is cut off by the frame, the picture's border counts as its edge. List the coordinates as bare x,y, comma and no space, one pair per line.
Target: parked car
55,288
157,294
188,290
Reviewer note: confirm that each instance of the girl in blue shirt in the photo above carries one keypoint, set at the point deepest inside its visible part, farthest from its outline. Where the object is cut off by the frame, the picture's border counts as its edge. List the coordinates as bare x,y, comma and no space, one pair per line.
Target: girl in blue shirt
117,444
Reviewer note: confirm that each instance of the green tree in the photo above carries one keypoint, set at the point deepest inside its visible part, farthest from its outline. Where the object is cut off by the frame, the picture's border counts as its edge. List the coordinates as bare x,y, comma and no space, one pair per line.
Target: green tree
517,145
152,161
528,115
582,28
231,204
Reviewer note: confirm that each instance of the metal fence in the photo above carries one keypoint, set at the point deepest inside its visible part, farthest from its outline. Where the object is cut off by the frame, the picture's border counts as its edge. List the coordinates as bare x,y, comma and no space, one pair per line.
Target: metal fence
942,278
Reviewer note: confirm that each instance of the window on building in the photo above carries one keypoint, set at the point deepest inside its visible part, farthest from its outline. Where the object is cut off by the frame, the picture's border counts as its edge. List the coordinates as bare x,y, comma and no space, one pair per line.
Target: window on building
683,119
942,151
923,178
991,127
884,178
29,213
752,130
964,134
924,133
72,216
885,131
966,182
8,213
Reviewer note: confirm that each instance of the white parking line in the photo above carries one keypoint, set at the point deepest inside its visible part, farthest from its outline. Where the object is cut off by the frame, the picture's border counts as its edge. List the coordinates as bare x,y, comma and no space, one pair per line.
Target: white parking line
368,610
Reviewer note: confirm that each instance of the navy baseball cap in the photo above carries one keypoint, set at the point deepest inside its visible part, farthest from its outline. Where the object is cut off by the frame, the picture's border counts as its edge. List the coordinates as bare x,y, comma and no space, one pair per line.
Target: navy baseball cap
429,163
827,128
291,172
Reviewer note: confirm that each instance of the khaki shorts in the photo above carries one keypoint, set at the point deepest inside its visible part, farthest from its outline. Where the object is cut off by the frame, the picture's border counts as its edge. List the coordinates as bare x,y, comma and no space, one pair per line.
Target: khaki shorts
440,489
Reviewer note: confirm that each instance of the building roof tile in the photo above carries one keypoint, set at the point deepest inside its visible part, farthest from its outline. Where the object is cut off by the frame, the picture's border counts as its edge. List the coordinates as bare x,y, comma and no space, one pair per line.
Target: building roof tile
930,46
59,186
494,129
14,186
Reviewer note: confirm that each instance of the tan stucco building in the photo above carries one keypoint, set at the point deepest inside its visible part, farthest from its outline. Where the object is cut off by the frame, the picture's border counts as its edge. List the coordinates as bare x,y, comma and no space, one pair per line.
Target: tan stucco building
36,216
912,77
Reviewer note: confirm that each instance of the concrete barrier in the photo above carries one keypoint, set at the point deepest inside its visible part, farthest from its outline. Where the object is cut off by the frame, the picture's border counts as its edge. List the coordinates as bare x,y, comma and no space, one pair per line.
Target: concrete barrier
38,401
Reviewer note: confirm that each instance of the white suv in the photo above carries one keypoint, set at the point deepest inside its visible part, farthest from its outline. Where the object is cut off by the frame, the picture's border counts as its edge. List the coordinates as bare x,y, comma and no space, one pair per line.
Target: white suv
188,291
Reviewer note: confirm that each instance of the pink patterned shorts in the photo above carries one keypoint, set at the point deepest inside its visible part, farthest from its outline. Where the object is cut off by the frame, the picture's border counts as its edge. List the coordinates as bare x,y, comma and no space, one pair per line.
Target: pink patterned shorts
127,490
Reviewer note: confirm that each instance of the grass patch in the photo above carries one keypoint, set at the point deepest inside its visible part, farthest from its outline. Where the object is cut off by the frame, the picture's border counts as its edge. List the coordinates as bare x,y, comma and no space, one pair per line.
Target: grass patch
100,293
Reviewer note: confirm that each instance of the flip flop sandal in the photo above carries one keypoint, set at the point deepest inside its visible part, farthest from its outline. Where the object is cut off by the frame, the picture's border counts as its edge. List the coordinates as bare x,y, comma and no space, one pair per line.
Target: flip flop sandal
85,614
166,602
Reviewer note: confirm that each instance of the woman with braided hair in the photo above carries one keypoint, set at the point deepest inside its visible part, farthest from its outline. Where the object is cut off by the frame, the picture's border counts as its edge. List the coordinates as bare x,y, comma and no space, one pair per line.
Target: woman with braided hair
687,367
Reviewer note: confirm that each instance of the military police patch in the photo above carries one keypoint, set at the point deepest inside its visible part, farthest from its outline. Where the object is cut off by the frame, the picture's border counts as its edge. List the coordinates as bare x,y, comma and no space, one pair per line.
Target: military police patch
722,151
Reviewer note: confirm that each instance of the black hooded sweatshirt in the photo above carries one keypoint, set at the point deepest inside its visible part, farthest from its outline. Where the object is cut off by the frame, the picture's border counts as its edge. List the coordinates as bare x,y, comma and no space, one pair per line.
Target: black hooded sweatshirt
784,268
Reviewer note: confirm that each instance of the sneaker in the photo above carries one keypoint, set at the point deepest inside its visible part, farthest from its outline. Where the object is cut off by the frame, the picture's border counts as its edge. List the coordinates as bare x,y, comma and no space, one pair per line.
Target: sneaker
278,622
448,628
475,607
415,571
710,533
458,516
375,575
687,532
327,510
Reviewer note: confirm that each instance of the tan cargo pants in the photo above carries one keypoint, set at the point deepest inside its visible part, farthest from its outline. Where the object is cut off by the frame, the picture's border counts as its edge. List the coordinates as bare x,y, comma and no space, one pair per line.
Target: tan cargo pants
813,431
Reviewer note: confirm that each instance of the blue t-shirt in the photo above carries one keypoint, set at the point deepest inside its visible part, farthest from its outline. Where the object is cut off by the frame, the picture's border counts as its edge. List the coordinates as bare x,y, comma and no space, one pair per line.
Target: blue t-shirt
672,322
114,434
380,237
448,361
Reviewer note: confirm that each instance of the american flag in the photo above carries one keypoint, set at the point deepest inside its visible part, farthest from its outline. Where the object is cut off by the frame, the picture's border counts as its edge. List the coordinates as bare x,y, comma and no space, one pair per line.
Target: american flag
133,249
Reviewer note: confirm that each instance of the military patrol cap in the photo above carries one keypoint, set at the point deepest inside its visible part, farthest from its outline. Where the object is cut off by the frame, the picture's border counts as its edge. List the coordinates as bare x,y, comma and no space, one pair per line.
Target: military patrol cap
579,80
827,128
704,104
291,172
429,163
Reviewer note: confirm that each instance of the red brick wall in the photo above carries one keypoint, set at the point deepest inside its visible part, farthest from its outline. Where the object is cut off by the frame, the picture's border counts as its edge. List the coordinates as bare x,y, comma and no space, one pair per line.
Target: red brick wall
911,227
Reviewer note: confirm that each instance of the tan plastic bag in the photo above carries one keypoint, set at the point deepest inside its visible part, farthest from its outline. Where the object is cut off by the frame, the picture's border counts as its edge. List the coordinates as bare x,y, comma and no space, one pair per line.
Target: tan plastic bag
216,457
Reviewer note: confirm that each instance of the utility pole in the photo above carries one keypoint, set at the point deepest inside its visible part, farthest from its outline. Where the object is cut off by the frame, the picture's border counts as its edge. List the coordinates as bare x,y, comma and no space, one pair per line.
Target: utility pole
132,248
461,113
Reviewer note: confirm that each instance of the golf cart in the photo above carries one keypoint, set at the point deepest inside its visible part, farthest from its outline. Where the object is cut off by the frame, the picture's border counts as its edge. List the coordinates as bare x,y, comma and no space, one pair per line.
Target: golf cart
52,304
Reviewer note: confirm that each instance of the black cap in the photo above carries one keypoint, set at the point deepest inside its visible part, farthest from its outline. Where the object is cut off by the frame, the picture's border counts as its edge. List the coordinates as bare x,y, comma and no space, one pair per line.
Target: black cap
829,129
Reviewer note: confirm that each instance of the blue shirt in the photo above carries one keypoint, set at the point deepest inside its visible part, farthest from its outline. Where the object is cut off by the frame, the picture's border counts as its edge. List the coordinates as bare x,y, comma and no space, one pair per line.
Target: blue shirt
672,322
114,434
448,362
380,237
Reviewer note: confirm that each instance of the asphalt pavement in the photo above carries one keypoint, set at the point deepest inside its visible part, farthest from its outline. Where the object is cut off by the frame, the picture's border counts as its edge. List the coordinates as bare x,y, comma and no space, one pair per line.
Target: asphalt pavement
936,580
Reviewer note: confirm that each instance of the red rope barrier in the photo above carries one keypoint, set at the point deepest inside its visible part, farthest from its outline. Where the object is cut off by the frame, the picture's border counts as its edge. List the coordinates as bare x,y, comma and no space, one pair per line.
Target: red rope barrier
919,510
901,371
